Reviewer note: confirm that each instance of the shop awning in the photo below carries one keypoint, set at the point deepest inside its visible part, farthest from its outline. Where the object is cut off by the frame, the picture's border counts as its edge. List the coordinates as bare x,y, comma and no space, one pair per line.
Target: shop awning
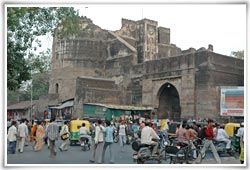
66,104
120,107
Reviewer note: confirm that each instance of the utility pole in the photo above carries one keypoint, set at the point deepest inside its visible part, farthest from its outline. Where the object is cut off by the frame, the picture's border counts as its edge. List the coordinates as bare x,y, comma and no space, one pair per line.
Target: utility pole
31,107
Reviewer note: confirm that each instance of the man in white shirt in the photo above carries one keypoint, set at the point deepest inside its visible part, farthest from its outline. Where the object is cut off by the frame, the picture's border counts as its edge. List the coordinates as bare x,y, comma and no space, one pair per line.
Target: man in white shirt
84,132
221,135
22,133
147,134
12,134
122,135
99,143
240,134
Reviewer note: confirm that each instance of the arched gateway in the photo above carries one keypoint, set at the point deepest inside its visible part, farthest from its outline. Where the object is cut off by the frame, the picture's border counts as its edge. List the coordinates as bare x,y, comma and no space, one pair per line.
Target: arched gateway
169,103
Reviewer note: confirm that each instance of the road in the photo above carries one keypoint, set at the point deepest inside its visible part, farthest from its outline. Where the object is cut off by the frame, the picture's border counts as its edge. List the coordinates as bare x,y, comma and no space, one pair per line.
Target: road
75,155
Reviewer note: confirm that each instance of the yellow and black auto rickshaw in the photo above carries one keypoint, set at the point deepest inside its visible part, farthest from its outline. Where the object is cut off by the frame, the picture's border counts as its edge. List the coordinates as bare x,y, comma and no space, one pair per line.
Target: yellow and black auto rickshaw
231,130
74,127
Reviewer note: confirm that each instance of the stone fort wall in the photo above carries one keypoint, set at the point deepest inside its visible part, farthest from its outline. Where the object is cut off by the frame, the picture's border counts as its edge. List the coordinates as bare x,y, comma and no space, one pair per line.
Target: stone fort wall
137,61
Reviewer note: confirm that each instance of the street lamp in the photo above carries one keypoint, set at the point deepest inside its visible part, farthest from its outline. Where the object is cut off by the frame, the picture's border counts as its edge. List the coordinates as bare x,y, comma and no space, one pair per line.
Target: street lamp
31,99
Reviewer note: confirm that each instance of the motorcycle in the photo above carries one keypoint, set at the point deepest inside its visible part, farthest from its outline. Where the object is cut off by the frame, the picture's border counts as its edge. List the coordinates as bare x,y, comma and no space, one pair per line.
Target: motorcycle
115,136
129,139
164,141
143,153
85,143
220,146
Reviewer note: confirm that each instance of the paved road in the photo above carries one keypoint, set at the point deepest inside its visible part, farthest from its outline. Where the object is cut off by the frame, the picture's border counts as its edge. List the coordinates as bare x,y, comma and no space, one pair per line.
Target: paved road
74,155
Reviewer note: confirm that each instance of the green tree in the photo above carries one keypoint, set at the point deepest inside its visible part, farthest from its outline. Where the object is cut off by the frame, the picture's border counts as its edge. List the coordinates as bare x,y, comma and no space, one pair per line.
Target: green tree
41,64
40,87
24,25
238,54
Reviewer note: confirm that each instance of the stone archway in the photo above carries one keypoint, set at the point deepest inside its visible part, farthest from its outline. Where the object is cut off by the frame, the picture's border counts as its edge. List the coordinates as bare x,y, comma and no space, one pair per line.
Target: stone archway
169,103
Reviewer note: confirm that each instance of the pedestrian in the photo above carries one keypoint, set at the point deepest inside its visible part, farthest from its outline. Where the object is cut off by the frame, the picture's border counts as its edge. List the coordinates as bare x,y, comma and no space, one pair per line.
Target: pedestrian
33,131
39,136
22,133
240,134
46,129
52,134
108,142
135,128
64,130
209,141
12,137
99,142
122,135
27,137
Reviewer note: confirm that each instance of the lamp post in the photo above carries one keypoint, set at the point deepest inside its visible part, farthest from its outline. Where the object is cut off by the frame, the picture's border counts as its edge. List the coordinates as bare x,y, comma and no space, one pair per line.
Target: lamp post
31,107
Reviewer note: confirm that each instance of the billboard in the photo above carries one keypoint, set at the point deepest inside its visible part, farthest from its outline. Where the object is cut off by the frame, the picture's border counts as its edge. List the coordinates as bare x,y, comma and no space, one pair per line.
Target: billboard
232,101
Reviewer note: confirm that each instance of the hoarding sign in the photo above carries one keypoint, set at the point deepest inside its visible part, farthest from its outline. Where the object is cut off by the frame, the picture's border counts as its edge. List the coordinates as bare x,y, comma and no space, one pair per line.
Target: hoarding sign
232,101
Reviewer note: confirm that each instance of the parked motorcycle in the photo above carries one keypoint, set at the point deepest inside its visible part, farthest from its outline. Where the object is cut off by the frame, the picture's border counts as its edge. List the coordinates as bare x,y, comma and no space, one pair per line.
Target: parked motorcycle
84,143
143,153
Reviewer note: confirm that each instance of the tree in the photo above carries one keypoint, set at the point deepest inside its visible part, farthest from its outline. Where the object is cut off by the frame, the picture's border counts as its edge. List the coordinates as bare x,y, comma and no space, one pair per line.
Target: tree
238,54
41,65
40,87
24,25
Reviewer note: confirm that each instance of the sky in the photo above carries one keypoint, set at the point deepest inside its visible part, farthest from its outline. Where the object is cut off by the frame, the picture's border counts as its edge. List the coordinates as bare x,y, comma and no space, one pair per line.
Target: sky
191,25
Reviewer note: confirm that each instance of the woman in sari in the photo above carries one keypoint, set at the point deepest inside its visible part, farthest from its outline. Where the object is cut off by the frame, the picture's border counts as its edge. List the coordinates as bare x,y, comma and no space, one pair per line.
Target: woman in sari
39,136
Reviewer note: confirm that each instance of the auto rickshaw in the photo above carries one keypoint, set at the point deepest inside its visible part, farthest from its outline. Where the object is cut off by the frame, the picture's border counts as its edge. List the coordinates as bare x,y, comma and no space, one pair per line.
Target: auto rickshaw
231,129
74,127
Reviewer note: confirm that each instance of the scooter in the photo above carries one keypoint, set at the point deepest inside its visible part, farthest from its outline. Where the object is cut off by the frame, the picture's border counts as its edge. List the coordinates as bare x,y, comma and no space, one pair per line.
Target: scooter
84,143
143,153
221,148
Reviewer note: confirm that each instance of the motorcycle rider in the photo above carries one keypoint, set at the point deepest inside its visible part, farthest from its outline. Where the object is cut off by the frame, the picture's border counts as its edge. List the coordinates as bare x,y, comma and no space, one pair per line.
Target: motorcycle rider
182,134
84,132
221,135
147,136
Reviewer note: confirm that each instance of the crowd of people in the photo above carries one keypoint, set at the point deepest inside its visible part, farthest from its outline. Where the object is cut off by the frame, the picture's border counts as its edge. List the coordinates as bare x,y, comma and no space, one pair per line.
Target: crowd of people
41,132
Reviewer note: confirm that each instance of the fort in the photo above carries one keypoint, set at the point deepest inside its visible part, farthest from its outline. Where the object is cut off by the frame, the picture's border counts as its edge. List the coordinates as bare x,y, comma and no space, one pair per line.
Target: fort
137,65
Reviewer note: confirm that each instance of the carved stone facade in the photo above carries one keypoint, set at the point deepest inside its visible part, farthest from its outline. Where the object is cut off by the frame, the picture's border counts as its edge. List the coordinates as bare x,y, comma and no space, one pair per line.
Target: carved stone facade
137,65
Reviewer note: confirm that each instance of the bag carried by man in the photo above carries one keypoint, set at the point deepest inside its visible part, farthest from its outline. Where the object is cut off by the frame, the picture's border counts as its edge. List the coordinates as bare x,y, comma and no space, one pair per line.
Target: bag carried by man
65,136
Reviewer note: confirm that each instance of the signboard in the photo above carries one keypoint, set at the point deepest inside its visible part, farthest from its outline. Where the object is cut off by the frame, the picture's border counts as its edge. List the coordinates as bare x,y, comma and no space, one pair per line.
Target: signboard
232,101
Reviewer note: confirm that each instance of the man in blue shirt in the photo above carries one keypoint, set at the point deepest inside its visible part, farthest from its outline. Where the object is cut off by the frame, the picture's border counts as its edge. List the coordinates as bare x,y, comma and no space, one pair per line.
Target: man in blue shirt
108,141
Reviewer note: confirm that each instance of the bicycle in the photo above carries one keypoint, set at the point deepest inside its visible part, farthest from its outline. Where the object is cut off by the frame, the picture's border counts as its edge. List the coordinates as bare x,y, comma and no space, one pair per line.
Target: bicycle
182,153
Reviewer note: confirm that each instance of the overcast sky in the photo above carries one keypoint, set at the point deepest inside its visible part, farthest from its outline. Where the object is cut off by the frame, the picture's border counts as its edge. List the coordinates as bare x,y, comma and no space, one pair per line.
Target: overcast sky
223,26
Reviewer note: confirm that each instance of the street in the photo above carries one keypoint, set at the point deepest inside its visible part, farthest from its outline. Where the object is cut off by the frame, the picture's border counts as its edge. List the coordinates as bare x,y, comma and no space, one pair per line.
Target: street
75,155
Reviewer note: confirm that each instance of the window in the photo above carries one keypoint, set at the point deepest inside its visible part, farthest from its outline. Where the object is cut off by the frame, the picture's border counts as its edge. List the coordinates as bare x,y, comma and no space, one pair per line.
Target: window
57,86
